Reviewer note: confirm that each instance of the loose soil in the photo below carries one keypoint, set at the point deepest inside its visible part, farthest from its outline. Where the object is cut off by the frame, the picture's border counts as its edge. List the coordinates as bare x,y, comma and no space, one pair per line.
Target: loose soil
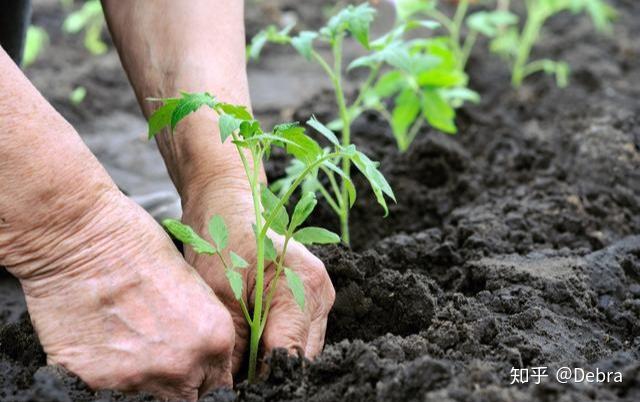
515,243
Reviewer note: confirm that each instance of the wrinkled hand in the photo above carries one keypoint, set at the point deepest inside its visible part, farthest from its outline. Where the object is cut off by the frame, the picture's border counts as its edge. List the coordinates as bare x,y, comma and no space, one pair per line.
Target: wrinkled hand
118,306
287,325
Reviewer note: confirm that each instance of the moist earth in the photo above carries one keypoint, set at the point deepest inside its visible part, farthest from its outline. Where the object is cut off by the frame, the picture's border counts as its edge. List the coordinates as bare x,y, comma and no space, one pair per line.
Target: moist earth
514,244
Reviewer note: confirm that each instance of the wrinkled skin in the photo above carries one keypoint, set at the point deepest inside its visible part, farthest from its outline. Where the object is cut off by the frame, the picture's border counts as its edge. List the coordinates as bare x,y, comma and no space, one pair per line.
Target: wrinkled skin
287,326
121,309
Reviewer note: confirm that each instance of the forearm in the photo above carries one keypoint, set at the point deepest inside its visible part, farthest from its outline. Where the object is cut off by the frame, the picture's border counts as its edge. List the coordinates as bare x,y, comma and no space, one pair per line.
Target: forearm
171,46
48,177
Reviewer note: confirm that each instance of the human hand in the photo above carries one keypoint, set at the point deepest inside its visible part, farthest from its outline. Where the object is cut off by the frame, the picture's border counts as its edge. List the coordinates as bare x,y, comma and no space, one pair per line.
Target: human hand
287,325
114,302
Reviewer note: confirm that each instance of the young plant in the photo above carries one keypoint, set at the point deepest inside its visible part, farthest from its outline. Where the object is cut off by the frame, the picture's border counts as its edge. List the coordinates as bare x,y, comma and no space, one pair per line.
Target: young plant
515,45
421,76
90,19
237,125
36,41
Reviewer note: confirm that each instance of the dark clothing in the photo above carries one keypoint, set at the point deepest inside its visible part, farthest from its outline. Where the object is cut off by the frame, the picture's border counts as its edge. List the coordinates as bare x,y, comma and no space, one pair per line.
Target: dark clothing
15,16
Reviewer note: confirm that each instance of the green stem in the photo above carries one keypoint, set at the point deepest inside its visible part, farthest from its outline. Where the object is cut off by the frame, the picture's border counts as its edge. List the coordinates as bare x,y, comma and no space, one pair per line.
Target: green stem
413,132
530,32
373,74
458,20
332,203
243,306
292,189
346,133
274,283
469,42
253,176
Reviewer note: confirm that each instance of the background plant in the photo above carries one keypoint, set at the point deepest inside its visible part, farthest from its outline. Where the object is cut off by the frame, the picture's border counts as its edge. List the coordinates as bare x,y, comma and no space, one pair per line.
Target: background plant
421,76
90,20
515,44
253,145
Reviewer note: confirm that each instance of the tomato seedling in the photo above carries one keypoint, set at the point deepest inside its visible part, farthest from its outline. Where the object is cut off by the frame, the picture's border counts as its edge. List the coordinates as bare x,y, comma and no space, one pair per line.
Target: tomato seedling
515,45
422,77
236,124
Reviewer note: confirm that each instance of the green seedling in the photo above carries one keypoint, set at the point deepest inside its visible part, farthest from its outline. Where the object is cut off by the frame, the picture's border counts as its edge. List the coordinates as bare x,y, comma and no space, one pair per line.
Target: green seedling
36,40
237,125
90,19
421,77
515,45
77,95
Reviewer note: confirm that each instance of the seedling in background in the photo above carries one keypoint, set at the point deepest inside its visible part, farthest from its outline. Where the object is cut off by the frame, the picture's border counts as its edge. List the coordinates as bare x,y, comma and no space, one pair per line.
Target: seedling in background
35,43
422,76
90,19
253,145
515,45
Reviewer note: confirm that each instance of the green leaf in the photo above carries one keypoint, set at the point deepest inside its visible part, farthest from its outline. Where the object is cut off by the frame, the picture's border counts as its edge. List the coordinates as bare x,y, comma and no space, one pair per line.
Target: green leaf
303,43
407,8
236,282
270,253
315,235
490,23
378,183
188,236
438,112
404,113
161,118
218,231
269,202
303,209
189,103
36,40
237,261
238,111
306,149
227,124
322,129
351,189
389,84
296,286
355,19
256,45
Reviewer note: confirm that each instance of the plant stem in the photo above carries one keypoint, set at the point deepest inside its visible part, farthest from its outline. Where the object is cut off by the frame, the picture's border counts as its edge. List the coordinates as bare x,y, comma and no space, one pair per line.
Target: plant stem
469,42
458,20
530,32
274,283
253,176
346,133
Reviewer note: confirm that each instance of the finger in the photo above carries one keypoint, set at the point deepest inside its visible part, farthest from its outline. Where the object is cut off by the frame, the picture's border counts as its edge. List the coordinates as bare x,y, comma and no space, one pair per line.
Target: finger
287,325
315,341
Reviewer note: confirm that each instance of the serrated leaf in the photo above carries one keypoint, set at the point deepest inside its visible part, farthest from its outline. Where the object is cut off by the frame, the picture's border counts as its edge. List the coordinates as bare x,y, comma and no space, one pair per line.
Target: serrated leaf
227,125
188,236
303,43
322,129
378,183
236,282
306,149
161,118
218,231
237,261
238,111
269,202
355,19
189,103
296,286
315,235
303,209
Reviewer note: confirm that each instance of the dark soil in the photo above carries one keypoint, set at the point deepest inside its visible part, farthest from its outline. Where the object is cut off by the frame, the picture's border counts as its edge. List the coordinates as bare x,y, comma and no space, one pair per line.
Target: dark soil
514,244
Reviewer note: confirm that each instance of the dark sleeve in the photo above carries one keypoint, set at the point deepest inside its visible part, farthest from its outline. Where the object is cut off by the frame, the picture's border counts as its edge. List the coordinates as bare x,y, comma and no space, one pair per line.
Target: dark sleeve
15,16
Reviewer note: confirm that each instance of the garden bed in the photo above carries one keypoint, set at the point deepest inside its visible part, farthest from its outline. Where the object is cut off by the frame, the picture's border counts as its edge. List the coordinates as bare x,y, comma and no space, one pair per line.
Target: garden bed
515,243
